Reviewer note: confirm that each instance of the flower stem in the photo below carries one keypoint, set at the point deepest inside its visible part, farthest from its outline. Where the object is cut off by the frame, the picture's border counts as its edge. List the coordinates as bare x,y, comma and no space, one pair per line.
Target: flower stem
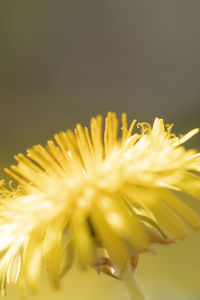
132,286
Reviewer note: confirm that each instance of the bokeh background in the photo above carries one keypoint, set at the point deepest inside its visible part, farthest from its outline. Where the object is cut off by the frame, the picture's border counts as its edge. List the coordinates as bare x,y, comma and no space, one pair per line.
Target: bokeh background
62,62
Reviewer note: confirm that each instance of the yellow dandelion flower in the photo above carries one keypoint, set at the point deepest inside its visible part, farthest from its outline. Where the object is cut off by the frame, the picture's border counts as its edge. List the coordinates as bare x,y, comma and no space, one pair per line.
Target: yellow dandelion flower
101,201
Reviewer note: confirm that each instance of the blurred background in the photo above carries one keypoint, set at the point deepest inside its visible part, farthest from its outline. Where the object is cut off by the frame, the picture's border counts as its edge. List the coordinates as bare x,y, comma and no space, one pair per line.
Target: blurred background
62,62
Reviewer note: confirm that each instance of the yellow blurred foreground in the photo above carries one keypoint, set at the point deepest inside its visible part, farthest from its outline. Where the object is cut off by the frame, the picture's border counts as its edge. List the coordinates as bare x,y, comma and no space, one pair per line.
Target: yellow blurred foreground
172,274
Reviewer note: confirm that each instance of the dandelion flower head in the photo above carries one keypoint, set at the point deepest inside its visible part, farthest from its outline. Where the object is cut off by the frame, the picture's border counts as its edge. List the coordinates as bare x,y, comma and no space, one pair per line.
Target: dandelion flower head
97,198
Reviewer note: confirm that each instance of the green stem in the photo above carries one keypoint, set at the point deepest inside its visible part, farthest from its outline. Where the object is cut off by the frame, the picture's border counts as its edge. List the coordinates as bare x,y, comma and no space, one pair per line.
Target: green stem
132,286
